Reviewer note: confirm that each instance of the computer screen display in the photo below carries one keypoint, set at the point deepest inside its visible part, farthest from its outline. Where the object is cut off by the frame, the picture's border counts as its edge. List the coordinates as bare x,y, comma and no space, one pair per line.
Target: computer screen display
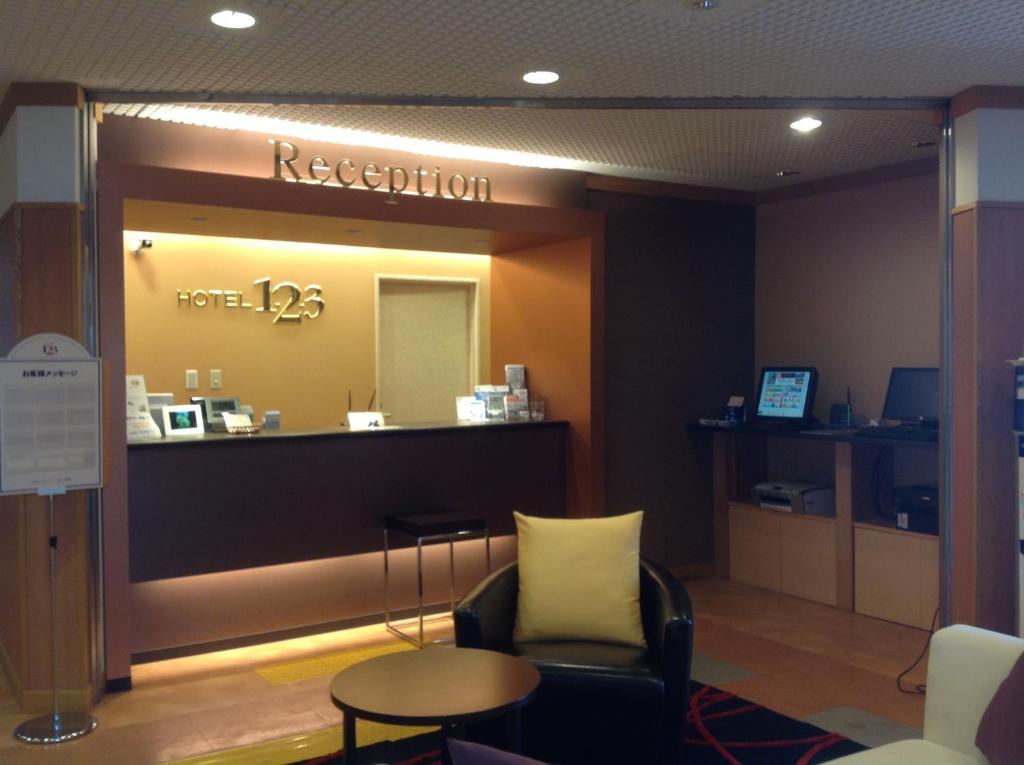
913,395
183,419
786,393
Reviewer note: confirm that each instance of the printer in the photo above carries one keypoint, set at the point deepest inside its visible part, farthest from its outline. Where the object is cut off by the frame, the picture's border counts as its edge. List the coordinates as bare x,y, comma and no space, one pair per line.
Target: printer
917,508
796,497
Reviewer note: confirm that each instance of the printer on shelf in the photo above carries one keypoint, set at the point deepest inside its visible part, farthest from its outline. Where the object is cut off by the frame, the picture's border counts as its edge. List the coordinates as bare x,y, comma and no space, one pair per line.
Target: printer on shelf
917,508
796,497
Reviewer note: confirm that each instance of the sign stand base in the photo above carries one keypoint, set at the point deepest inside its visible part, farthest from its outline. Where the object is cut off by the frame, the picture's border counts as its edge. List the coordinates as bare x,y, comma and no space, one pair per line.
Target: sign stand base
59,726
55,728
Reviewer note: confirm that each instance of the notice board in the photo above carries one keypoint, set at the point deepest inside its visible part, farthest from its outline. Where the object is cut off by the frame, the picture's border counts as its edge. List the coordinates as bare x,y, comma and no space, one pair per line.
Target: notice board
50,415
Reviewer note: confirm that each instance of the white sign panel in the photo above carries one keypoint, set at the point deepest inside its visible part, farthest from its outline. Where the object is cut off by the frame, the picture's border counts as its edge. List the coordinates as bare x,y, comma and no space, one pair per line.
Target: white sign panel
49,417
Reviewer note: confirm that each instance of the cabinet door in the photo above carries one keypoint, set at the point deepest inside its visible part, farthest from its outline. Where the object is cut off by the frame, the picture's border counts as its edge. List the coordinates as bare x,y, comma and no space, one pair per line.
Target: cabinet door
754,547
808,557
896,576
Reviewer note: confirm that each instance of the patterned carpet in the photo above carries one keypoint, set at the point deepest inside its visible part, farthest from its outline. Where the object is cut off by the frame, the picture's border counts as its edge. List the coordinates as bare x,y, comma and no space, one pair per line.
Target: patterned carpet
724,729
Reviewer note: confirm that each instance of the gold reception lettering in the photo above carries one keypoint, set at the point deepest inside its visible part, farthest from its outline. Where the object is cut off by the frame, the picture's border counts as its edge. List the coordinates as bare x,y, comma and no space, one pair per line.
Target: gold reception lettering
278,161
347,174
462,189
319,163
337,172
293,304
392,188
370,168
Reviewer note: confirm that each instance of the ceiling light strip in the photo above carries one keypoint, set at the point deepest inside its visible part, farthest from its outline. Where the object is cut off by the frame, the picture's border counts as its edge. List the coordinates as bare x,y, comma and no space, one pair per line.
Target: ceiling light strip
531,102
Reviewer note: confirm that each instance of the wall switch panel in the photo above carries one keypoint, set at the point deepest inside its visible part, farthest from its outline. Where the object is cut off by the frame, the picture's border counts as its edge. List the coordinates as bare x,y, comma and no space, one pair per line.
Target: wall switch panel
191,379
215,379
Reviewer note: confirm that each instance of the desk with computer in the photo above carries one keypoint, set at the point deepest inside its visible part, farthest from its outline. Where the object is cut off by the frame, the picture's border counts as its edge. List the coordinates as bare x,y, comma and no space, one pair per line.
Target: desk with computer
843,513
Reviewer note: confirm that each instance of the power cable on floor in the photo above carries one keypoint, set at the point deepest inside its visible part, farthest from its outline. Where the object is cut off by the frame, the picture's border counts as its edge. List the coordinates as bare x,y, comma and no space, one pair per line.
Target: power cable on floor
920,688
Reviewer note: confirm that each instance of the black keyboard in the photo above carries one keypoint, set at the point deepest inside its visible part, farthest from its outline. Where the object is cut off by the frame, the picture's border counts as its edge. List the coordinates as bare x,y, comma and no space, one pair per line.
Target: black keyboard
901,433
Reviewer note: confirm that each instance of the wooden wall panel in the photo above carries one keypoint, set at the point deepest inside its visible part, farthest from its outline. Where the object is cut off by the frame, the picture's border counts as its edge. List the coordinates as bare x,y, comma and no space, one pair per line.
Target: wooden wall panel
987,318
540,317
1000,316
679,339
45,242
963,581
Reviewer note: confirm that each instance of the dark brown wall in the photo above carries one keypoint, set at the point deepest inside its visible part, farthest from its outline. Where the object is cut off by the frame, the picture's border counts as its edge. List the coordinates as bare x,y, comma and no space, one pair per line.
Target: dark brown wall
679,329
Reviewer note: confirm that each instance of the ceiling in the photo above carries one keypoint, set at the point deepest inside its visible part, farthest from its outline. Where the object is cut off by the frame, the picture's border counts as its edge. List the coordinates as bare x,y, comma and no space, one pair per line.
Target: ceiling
645,52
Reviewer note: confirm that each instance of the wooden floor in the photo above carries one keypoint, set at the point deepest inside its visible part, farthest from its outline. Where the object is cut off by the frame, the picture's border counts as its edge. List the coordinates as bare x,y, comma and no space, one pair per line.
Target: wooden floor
803,658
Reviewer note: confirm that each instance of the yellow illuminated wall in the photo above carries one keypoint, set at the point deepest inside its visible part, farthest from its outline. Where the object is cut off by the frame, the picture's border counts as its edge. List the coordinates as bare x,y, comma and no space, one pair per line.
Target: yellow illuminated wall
304,368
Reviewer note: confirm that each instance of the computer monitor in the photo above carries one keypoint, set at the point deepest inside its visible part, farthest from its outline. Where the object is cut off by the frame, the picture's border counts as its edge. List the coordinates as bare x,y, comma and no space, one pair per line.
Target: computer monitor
913,395
786,394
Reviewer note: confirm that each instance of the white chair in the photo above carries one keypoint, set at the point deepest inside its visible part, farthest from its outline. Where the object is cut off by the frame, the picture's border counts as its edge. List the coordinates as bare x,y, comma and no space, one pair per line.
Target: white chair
965,668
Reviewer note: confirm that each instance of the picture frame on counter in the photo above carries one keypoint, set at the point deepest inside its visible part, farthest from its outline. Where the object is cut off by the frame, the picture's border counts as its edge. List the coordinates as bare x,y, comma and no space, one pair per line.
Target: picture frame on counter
183,420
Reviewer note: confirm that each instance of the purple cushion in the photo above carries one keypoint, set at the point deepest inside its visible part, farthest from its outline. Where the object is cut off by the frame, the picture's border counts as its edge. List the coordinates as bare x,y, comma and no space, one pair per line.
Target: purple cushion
467,753
1000,734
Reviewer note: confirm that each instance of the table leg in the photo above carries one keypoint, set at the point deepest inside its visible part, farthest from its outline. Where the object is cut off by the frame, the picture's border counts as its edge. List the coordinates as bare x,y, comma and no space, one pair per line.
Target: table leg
515,732
350,737
446,756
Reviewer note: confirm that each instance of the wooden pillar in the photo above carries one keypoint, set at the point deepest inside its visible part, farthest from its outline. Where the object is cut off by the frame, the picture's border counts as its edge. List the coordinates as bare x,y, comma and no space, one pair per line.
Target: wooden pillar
41,254
987,329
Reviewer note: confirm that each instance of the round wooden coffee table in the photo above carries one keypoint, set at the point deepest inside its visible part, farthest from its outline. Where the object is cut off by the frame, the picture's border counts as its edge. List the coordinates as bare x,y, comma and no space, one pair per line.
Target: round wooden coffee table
437,686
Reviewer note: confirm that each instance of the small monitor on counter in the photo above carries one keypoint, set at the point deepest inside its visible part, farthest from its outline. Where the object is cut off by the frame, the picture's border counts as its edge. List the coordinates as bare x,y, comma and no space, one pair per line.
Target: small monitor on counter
785,395
215,406
183,420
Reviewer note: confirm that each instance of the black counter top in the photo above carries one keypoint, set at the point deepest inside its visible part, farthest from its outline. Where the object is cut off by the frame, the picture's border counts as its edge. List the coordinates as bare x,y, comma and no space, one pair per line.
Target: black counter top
847,435
341,431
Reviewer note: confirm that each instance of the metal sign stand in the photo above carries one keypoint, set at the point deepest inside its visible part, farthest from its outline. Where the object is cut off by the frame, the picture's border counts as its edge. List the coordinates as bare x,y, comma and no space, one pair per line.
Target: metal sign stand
50,441
57,727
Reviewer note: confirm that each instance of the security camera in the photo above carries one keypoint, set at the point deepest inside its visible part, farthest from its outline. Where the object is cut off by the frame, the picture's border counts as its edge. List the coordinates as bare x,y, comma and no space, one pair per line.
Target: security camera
138,245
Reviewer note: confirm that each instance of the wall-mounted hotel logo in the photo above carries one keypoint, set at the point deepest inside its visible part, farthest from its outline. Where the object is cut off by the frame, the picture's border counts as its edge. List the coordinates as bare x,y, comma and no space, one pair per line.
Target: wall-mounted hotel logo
291,306
392,180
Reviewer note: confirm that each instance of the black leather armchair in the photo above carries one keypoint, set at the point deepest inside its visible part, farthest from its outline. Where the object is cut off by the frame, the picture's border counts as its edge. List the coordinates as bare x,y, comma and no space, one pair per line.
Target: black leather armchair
598,703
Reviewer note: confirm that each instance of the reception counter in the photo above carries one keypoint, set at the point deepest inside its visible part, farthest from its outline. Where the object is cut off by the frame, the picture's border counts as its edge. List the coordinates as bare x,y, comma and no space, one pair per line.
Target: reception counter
215,503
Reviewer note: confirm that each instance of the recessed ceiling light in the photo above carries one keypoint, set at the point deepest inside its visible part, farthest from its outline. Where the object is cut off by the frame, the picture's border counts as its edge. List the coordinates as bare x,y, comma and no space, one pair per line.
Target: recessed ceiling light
785,173
541,77
805,124
233,19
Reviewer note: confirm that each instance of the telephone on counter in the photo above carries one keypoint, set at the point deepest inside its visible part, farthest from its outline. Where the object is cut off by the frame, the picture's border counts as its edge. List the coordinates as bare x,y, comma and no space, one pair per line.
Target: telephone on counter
733,413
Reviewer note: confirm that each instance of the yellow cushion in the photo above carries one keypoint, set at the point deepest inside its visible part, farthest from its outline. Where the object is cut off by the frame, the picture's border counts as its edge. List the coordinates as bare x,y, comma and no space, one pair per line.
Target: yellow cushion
579,579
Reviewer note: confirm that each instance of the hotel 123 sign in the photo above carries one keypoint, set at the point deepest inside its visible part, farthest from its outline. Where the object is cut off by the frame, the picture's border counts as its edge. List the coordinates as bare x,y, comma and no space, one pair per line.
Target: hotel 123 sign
286,302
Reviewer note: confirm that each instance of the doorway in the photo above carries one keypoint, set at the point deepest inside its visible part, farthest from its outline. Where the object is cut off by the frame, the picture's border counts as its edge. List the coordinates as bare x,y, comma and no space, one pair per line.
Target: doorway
427,346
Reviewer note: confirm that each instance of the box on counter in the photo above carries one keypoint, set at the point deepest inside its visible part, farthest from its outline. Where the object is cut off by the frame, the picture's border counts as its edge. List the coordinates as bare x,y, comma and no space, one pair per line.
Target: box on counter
517,404
470,408
493,397
515,376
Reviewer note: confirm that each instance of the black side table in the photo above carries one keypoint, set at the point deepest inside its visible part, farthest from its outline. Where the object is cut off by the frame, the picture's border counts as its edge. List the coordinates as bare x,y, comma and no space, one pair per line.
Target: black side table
428,528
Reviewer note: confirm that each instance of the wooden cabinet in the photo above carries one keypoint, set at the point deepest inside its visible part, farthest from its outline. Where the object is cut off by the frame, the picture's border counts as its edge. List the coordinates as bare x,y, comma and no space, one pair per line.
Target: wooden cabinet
793,554
858,561
896,575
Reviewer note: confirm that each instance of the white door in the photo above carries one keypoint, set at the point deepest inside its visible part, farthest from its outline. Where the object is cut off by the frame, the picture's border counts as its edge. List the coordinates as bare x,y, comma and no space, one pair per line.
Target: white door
427,346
